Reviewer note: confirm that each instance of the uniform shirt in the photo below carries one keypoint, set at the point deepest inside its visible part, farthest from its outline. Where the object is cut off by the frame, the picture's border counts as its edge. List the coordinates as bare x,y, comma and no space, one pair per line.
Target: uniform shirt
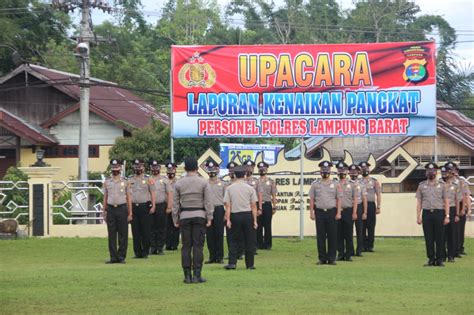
452,192
218,189
116,190
268,188
192,191
254,182
325,194
162,188
239,196
141,188
349,192
372,187
431,195
360,190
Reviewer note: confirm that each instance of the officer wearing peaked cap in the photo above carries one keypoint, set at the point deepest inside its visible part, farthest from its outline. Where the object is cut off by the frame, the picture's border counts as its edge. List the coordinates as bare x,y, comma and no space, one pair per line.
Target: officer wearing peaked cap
240,245
361,207
163,205
255,183
172,232
432,210
451,230
142,189
325,209
269,191
117,212
374,202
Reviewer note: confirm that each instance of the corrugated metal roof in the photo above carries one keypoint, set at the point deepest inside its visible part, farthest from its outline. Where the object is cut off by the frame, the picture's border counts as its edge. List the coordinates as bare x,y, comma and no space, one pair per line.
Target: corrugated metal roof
21,128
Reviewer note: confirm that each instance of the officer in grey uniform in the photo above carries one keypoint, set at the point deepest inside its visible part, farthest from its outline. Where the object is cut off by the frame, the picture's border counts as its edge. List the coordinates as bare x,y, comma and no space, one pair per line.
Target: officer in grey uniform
241,216
117,212
451,230
325,208
215,233
240,245
349,201
164,202
432,210
361,207
255,183
269,190
192,213
172,233
374,202
142,190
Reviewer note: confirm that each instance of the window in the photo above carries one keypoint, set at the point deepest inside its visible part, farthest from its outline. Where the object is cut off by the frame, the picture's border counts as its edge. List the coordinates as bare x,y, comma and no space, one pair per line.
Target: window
69,151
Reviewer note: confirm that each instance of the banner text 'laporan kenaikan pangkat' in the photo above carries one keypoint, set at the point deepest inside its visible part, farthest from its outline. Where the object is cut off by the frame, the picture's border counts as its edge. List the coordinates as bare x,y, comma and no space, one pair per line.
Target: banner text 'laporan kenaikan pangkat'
304,90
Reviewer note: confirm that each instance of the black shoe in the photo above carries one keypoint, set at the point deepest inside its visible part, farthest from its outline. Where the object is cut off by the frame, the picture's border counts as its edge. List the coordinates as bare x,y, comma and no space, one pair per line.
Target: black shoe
230,267
210,261
321,262
153,252
463,253
137,257
174,248
450,259
255,253
333,263
144,257
168,248
197,277
370,250
359,255
340,258
121,261
160,253
187,276
440,264
108,262
430,263
349,259
458,256
220,261
251,268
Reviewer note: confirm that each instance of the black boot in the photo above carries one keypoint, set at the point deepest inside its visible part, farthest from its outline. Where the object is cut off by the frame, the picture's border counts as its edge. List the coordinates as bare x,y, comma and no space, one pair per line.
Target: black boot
197,276
187,275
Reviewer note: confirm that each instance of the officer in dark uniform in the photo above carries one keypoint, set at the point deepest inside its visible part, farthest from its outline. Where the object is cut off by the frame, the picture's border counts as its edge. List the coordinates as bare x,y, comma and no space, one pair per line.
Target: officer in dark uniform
268,190
361,207
164,202
241,216
345,226
172,233
117,212
433,202
325,208
142,191
192,213
215,233
374,202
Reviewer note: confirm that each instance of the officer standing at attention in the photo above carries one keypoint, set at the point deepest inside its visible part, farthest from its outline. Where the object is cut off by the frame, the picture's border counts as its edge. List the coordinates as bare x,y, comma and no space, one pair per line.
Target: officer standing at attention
345,226
241,216
255,183
215,233
231,167
325,208
164,202
432,200
264,221
192,213
374,202
142,190
361,207
117,212
172,233
451,230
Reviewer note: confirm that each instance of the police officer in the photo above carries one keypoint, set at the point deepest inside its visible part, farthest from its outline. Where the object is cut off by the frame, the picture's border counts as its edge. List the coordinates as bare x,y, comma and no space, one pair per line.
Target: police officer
269,190
192,213
172,233
361,207
255,183
432,211
345,226
240,245
142,191
117,212
215,233
325,209
374,202
163,200
241,216
450,230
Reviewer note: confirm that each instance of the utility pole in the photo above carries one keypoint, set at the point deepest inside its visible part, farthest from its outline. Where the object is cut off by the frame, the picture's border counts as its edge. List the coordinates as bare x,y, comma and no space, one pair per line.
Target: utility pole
83,55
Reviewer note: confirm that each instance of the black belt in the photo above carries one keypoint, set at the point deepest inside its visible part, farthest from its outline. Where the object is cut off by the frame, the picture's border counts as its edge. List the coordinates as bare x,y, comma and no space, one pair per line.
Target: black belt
138,204
432,210
267,202
350,208
160,203
116,205
325,209
192,209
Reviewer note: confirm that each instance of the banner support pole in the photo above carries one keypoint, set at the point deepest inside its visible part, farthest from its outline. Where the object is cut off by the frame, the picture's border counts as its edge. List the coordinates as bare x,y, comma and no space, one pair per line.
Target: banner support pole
171,118
301,190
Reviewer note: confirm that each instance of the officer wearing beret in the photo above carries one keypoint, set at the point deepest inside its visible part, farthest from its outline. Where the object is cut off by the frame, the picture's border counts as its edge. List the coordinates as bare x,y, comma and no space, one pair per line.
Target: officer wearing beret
163,205
142,190
117,212
361,207
432,211
172,233
451,230
255,183
345,226
269,190
325,209
374,202
192,213
215,232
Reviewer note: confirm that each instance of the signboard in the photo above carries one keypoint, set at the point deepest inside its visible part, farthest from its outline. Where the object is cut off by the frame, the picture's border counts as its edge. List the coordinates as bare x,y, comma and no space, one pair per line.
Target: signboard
304,90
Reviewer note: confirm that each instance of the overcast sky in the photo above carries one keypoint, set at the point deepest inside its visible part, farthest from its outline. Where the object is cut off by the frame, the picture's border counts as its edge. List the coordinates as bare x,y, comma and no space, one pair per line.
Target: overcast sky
458,13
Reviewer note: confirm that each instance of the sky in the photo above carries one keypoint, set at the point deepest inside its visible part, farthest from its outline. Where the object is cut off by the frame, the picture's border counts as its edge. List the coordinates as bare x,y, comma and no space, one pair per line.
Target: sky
458,13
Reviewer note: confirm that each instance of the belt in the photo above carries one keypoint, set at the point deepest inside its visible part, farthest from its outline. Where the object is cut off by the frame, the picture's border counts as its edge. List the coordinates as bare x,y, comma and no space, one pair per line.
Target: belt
433,210
137,204
192,209
116,205
347,208
324,209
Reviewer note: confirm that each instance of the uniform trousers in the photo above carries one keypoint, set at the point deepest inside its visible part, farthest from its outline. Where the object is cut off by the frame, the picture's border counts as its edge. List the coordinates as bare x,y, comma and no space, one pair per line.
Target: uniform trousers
433,231
158,227
141,228
172,234
451,234
326,232
461,231
242,228
215,235
264,230
359,229
117,228
193,233
369,226
345,229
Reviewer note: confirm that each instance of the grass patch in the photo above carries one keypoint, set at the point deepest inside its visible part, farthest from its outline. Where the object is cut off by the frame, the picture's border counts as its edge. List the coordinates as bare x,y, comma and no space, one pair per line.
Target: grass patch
68,275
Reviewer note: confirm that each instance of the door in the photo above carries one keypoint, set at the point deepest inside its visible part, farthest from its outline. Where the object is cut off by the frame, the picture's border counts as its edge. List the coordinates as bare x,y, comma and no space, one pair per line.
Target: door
7,159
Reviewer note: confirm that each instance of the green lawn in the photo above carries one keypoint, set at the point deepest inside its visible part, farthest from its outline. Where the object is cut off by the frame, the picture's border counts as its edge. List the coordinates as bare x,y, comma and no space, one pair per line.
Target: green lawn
68,275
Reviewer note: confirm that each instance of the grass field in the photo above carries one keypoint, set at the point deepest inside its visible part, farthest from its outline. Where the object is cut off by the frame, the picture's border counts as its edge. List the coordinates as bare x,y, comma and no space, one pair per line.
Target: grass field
68,275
